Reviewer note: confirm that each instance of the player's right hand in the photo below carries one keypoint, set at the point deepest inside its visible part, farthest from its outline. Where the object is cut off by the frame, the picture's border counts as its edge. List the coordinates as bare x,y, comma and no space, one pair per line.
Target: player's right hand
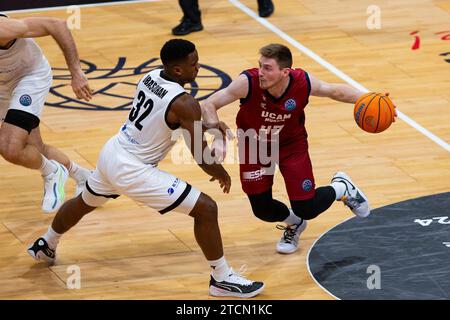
395,107
80,86
224,181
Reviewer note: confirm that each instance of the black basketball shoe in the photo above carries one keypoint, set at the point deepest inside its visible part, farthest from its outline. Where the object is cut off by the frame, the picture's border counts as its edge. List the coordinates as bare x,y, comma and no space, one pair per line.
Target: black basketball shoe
235,285
40,250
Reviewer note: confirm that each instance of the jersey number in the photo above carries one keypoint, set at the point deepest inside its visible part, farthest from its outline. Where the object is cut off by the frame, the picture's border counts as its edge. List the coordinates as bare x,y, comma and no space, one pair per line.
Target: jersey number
148,106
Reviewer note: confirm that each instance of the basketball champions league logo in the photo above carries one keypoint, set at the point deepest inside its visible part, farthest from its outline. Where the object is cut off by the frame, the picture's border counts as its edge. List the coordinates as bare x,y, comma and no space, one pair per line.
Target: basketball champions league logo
114,88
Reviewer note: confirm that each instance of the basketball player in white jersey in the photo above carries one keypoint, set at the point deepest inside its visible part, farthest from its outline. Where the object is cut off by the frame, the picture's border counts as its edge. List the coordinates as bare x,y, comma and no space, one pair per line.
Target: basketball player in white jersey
25,80
127,165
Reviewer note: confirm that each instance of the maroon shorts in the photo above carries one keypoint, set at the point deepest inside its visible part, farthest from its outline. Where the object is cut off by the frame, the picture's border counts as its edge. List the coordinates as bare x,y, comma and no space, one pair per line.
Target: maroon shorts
295,166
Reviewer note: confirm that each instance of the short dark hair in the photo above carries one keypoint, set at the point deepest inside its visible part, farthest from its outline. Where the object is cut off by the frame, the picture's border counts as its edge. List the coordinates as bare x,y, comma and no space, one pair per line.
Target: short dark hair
176,50
279,52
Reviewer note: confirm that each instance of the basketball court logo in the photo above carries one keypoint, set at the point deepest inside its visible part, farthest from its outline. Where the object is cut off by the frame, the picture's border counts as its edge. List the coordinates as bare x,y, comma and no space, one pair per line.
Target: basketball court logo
114,87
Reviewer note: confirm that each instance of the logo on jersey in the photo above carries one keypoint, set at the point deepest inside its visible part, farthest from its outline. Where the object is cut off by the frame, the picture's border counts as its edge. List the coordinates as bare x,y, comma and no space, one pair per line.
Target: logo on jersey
290,105
253,175
274,117
307,185
170,191
115,86
25,100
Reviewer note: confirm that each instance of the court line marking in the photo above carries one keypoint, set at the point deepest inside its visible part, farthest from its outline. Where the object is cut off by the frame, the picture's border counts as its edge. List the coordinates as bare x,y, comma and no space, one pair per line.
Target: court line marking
334,70
116,3
309,253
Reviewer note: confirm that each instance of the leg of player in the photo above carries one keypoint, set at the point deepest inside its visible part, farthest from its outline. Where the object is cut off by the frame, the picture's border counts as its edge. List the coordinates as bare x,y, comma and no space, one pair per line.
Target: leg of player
76,172
341,188
70,213
224,281
268,209
15,149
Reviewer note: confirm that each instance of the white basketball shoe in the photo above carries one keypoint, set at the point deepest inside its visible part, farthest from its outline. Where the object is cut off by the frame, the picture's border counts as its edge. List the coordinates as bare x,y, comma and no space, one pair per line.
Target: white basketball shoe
353,197
289,241
54,188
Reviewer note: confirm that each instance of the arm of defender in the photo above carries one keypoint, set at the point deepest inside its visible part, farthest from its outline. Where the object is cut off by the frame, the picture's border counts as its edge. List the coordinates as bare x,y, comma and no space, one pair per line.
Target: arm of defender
187,112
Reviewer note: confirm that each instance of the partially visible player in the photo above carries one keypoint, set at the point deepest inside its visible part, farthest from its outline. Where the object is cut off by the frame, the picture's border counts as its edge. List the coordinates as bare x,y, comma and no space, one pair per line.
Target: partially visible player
273,99
128,166
25,80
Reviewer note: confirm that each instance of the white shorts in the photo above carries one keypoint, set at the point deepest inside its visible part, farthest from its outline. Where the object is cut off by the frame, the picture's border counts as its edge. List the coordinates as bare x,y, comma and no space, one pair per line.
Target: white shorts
119,172
28,94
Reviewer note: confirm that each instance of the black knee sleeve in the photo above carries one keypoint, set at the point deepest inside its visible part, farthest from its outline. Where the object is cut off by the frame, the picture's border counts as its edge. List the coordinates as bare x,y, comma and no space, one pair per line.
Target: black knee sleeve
267,209
22,119
311,208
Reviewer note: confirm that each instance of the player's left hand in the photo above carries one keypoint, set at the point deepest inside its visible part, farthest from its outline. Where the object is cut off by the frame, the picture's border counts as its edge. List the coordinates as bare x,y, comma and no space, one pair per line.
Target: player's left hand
80,86
395,107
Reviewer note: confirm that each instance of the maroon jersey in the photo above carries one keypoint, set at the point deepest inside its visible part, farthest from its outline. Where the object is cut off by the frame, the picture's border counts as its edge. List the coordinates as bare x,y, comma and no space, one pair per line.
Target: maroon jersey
284,117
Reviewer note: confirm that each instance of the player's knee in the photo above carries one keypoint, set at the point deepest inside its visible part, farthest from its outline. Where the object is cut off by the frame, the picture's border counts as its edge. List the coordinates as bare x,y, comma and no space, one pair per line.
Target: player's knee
304,210
264,213
205,209
10,152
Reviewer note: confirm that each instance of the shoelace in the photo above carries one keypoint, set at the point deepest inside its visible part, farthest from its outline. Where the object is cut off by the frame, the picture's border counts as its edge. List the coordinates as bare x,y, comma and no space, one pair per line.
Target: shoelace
235,277
289,233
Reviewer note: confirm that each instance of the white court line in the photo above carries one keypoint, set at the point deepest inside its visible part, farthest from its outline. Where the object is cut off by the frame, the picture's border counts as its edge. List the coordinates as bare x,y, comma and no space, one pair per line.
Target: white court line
309,254
334,70
116,3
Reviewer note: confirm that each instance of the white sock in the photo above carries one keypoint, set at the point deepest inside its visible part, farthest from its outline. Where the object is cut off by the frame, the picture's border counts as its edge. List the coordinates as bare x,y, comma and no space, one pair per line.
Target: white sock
292,218
339,188
220,269
52,238
47,167
78,173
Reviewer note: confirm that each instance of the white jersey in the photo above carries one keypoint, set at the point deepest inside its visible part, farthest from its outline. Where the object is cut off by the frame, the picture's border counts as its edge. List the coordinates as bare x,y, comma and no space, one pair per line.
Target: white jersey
22,58
146,134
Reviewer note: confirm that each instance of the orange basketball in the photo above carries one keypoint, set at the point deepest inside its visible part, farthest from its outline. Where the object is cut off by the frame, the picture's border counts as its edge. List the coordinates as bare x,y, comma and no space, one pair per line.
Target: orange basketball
374,112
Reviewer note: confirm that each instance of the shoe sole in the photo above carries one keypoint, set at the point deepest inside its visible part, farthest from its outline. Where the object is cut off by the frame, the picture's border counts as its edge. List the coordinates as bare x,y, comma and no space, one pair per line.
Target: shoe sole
40,256
186,33
216,292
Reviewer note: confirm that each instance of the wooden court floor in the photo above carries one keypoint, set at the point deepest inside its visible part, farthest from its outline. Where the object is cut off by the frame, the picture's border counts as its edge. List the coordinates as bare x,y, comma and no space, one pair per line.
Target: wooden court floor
127,251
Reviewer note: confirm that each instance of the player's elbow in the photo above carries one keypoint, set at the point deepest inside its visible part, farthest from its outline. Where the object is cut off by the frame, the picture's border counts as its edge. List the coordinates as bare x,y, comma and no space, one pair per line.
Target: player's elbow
54,25
59,23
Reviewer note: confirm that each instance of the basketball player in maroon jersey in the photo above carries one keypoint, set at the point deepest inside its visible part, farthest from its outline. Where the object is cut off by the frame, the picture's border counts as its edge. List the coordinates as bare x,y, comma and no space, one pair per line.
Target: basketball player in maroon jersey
272,102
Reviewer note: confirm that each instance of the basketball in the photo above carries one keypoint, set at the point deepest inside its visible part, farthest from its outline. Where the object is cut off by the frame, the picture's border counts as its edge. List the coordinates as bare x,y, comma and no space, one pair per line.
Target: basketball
374,112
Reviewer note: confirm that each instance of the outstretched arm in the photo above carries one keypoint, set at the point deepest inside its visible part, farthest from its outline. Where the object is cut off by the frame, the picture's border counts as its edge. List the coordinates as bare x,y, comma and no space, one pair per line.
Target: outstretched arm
11,29
237,89
335,91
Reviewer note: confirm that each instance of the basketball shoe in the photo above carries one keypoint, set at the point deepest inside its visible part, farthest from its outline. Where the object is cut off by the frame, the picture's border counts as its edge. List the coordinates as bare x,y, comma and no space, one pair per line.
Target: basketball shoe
289,241
54,188
40,250
235,285
353,197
